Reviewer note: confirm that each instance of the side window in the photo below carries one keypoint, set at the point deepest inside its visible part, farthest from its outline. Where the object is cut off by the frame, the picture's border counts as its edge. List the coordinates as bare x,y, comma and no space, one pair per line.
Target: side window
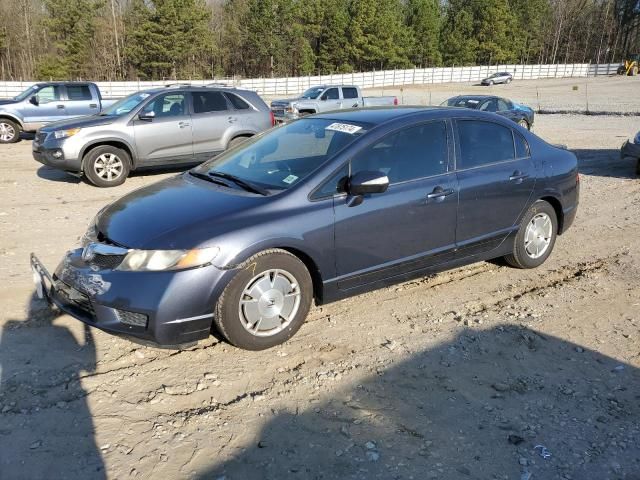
237,102
482,143
411,153
334,185
489,106
503,105
78,92
349,92
522,146
169,105
205,102
48,94
331,94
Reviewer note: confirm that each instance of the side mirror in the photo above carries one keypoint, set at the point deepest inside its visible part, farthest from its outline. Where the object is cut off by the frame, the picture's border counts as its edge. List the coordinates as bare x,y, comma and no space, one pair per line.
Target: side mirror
33,100
366,182
323,97
147,116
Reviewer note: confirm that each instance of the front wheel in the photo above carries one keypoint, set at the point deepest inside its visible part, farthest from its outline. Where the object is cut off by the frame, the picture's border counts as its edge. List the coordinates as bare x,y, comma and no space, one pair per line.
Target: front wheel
509,80
9,131
535,238
266,302
107,166
523,123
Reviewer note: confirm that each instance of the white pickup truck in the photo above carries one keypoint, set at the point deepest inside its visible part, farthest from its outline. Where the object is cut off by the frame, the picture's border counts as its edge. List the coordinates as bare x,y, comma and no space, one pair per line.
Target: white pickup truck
324,98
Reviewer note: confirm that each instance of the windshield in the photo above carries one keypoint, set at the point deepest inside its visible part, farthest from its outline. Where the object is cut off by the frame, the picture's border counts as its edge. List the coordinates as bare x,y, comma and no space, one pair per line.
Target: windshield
126,104
27,93
285,156
462,102
312,93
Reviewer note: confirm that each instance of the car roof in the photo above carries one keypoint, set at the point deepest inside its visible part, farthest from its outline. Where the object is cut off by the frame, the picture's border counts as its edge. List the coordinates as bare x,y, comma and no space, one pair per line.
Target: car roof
479,98
380,115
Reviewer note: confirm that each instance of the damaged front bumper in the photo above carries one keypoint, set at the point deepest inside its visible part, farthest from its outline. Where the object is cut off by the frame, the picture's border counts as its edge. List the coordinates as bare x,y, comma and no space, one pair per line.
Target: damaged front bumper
167,309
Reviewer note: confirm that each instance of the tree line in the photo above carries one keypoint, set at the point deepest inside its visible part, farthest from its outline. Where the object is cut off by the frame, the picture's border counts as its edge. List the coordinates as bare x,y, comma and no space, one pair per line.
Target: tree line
193,39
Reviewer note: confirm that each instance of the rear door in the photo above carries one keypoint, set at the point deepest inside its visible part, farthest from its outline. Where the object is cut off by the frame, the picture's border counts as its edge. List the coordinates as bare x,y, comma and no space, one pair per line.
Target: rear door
350,97
496,177
212,117
80,99
167,138
411,225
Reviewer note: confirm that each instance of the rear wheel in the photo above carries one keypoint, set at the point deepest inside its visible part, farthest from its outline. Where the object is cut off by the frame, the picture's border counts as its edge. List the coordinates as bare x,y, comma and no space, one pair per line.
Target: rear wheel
107,166
9,131
535,238
236,141
266,302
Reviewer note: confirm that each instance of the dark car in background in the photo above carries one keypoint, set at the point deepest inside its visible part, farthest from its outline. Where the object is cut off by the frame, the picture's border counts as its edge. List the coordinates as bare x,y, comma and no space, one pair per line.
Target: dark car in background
631,149
521,114
500,77
323,208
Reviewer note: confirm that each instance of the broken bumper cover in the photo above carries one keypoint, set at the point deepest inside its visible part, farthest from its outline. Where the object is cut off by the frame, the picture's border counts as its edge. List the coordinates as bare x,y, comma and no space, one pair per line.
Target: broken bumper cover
167,309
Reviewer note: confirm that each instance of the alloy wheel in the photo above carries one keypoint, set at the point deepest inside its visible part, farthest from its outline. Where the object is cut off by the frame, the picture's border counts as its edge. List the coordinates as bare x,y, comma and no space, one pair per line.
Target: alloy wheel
7,132
108,166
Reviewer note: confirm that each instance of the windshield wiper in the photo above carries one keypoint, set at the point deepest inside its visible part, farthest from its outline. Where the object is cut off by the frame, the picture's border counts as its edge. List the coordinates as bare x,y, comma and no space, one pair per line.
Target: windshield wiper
248,186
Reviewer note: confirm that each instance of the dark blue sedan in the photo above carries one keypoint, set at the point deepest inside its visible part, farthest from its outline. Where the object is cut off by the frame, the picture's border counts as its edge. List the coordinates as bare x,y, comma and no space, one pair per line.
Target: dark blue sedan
317,210
521,114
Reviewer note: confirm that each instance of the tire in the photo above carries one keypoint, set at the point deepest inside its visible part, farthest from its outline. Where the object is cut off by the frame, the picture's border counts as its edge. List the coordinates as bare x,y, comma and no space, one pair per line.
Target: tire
9,131
236,141
243,303
490,83
536,223
509,81
107,166
633,71
638,167
523,123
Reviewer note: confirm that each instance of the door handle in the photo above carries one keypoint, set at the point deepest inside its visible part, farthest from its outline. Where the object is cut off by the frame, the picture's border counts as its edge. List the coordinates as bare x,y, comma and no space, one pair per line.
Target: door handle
93,105
59,106
232,119
518,176
440,193
183,124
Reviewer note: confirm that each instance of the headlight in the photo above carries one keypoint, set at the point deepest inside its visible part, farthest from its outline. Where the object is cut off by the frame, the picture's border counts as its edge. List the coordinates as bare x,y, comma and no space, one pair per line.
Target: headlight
636,139
66,133
157,260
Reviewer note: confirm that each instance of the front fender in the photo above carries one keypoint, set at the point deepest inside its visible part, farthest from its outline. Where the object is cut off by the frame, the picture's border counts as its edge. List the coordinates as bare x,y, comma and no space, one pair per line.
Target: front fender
12,115
307,106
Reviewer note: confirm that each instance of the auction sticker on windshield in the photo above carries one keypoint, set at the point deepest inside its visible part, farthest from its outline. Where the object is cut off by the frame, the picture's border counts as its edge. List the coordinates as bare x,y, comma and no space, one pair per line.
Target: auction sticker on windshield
344,128
290,179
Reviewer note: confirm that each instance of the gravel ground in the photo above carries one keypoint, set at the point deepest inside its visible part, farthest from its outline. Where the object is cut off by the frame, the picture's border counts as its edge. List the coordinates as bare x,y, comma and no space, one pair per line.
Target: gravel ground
466,374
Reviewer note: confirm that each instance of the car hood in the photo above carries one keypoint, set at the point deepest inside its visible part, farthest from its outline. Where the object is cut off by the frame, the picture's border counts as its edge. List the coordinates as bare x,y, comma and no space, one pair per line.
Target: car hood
181,212
80,122
287,101
8,102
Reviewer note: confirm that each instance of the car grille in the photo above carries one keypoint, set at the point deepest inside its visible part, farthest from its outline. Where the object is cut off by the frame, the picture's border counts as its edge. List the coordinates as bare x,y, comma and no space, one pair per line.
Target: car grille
132,318
73,297
107,261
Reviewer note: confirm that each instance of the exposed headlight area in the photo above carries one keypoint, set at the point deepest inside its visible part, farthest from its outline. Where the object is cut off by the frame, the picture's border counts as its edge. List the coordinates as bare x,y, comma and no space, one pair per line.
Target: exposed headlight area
58,134
160,260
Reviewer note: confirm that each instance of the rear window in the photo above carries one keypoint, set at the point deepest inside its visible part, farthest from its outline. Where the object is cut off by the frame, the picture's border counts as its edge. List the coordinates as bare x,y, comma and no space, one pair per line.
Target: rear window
78,92
205,102
483,143
237,102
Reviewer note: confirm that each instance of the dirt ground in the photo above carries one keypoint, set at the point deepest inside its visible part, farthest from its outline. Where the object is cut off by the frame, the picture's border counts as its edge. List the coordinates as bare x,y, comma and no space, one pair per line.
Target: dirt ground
474,373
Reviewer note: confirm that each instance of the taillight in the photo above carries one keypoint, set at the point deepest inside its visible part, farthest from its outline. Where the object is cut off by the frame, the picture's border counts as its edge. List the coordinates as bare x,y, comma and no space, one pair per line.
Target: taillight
395,100
272,117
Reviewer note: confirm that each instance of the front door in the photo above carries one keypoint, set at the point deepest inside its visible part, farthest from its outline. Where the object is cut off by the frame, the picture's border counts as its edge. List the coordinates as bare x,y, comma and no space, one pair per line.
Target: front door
411,225
49,107
165,139
495,183
331,100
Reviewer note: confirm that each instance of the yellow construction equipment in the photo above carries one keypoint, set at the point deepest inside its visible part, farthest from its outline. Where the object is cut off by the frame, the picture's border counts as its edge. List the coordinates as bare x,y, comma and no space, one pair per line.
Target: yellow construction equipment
630,66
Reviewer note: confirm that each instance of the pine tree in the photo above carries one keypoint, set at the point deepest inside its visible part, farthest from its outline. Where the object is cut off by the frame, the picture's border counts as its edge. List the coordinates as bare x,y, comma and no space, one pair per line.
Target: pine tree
459,47
424,19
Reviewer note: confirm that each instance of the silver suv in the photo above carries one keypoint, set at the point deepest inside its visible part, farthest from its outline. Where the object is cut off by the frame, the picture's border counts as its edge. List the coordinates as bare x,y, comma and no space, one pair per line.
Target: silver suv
177,125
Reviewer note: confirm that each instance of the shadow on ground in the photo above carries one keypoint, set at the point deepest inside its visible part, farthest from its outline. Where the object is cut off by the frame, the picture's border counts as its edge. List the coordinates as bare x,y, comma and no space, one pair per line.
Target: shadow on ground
46,428
475,407
605,163
55,175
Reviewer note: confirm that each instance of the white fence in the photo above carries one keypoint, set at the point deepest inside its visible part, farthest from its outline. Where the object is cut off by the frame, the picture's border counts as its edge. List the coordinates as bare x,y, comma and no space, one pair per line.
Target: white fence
383,78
